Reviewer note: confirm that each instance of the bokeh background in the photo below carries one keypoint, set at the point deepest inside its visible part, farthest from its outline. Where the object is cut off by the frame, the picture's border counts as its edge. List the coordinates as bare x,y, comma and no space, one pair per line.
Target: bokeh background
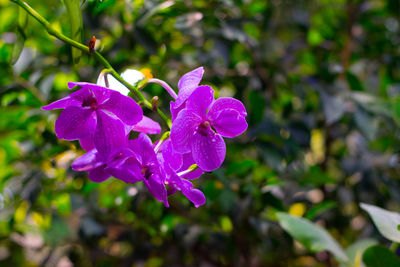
320,80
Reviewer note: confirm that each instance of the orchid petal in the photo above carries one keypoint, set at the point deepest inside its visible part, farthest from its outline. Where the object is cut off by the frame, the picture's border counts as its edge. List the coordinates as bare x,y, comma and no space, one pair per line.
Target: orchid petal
148,126
187,84
183,129
187,162
74,123
87,161
87,142
145,148
129,172
200,100
175,110
99,174
229,123
194,195
123,107
173,159
226,103
109,134
157,188
75,99
208,149
100,93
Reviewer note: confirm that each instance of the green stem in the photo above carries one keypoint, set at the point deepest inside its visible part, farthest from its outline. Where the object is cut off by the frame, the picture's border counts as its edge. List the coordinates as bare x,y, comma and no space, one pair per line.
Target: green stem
394,246
96,54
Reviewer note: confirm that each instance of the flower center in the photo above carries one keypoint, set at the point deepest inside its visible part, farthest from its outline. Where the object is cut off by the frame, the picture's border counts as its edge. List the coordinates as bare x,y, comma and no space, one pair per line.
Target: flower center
203,128
146,172
90,102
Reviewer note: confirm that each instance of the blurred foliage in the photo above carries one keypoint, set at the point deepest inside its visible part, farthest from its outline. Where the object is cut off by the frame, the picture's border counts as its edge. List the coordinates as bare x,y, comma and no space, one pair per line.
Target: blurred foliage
320,80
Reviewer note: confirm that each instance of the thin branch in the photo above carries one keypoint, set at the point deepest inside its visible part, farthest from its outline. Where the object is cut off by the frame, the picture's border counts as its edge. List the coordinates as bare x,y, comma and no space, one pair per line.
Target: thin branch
96,54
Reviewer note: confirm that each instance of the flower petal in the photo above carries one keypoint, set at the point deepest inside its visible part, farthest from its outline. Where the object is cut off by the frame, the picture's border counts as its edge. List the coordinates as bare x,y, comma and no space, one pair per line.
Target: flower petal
99,174
194,195
200,100
226,103
183,129
129,172
74,123
109,134
208,149
145,149
87,161
187,84
148,126
74,99
187,162
157,188
125,108
63,103
100,93
87,142
175,110
173,159
229,123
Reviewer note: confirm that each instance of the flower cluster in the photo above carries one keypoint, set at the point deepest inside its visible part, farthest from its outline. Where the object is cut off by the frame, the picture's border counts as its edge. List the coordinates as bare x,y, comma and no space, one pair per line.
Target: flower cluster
102,118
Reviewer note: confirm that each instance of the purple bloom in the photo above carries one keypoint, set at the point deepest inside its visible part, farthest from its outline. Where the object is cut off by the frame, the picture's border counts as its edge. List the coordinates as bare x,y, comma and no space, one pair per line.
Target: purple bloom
191,130
150,170
186,85
179,162
96,111
134,162
178,183
146,125
93,163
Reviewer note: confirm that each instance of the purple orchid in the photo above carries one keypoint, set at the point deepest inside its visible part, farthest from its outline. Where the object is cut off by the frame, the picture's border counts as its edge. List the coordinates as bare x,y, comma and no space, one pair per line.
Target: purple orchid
178,183
179,162
191,130
186,85
97,111
133,163
146,125
102,119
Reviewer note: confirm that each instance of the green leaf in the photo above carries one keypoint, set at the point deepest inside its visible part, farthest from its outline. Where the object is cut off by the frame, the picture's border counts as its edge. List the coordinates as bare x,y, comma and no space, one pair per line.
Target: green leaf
320,208
385,221
379,256
19,42
312,236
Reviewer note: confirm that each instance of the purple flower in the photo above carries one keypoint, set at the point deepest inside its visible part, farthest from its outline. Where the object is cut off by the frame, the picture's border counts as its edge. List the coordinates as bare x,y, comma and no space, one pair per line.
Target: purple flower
132,163
93,163
179,162
178,183
146,125
150,170
191,130
186,85
96,111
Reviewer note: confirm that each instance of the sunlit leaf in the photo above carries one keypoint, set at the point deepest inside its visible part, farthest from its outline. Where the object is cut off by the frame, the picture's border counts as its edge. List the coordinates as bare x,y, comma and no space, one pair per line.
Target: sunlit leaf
312,236
386,221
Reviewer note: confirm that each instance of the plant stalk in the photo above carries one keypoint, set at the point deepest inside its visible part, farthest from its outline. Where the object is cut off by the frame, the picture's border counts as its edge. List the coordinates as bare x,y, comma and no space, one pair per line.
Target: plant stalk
96,54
